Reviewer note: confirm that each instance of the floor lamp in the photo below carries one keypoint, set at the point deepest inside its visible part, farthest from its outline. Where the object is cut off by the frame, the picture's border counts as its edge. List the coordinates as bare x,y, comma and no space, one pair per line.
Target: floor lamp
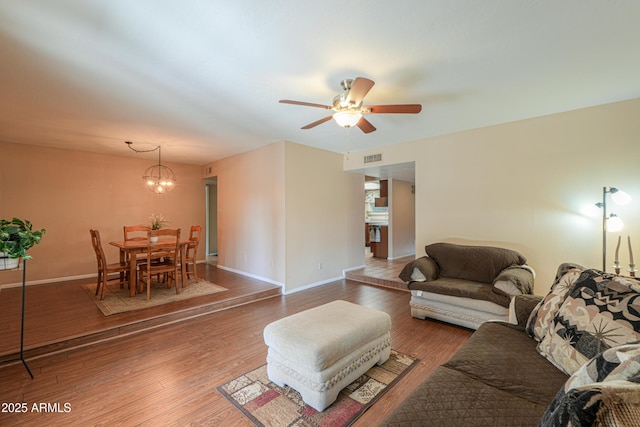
21,356
611,222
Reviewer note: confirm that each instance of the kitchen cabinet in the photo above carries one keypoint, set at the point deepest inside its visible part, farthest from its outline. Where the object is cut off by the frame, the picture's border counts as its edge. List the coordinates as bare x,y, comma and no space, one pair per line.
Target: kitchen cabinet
367,235
384,188
381,249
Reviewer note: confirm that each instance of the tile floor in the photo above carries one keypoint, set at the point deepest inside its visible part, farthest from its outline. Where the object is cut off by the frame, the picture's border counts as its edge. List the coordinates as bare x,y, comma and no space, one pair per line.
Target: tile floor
381,272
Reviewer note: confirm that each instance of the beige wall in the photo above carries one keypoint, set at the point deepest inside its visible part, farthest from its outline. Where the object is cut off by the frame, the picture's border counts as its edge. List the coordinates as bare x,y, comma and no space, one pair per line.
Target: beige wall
68,192
324,216
288,214
523,185
251,212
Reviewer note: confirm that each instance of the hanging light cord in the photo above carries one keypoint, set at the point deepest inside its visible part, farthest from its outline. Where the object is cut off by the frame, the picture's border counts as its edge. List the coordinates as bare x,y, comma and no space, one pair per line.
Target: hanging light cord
129,143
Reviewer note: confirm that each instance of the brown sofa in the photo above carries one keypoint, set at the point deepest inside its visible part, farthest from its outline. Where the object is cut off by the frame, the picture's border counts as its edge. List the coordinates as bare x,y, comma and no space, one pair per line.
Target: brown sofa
505,376
466,285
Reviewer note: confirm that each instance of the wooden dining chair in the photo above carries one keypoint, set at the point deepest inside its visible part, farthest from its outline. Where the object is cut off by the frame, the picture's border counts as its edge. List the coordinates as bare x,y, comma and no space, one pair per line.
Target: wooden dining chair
136,233
191,252
104,268
161,258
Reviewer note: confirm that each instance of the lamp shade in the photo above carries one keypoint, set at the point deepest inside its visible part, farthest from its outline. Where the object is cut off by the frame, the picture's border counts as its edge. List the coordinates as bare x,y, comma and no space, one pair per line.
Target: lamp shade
614,223
620,197
347,118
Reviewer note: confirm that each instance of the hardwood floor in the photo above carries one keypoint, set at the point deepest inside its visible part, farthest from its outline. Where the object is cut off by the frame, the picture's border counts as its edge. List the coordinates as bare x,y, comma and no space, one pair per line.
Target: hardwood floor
61,315
167,375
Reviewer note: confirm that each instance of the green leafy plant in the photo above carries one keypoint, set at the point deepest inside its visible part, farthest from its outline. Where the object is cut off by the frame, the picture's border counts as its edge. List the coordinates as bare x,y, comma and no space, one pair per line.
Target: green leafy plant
157,221
17,237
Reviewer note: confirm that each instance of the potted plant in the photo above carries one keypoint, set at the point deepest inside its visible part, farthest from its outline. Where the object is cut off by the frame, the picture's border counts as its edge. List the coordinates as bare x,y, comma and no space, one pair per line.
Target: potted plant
157,222
16,237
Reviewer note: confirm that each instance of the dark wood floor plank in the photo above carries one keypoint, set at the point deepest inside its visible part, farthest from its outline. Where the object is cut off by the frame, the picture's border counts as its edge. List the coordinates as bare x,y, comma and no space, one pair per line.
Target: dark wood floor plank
169,375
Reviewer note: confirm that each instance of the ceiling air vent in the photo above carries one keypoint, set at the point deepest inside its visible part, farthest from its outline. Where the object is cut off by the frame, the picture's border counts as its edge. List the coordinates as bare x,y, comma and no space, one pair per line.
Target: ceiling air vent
373,158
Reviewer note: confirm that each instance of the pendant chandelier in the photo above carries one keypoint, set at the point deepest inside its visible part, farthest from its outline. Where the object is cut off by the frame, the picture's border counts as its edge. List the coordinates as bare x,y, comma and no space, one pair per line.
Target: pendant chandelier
157,178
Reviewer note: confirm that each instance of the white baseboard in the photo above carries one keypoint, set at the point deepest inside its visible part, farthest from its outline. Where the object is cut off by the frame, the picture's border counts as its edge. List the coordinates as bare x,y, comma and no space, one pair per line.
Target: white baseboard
53,280
60,279
253,276
282,285
401,256
352,268
312,285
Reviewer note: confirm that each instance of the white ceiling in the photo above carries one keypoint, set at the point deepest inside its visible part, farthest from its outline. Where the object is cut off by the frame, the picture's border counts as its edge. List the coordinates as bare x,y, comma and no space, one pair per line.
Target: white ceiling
203,78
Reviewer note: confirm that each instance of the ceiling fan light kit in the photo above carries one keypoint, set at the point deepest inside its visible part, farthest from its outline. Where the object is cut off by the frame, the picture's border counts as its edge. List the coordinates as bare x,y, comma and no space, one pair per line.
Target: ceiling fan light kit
347,118
348,109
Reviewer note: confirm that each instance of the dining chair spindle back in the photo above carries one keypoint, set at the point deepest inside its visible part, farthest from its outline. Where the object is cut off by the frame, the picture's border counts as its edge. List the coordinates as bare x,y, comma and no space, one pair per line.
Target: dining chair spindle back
135,232
104,268
161,258
192,251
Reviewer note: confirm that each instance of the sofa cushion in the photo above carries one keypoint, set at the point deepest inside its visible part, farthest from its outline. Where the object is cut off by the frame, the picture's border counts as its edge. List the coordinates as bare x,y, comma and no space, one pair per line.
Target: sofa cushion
496,379
606,387
461,288
450,398
600,312
504,356
545,311
476,263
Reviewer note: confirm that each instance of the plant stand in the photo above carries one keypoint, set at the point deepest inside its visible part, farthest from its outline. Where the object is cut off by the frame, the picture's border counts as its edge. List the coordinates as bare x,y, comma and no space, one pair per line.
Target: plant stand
21,357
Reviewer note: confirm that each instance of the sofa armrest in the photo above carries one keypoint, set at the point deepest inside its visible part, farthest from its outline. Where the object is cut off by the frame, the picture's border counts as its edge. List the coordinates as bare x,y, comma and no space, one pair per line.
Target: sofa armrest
521,307
514,280
423,269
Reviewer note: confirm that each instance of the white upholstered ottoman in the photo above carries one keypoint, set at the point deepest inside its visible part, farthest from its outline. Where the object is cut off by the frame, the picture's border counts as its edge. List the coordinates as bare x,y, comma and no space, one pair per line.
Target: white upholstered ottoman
320,351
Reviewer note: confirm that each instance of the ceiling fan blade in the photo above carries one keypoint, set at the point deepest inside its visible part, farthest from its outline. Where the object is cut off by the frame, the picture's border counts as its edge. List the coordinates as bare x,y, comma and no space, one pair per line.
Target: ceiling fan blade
365,125
359,88
318,122
401,108
305,104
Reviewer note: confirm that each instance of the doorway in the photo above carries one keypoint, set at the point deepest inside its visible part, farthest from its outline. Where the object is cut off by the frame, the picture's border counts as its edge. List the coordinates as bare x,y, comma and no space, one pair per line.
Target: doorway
212,219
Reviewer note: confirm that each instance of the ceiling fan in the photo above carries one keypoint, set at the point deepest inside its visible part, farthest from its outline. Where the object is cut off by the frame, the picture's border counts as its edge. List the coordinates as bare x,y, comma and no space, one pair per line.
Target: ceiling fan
347,106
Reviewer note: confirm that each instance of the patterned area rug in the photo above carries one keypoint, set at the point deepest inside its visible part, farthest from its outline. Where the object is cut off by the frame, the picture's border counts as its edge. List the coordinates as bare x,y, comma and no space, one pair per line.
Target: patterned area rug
267,404
117,300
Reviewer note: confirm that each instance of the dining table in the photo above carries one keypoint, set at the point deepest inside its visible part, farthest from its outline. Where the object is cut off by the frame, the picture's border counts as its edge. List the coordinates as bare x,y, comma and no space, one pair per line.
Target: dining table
131,248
